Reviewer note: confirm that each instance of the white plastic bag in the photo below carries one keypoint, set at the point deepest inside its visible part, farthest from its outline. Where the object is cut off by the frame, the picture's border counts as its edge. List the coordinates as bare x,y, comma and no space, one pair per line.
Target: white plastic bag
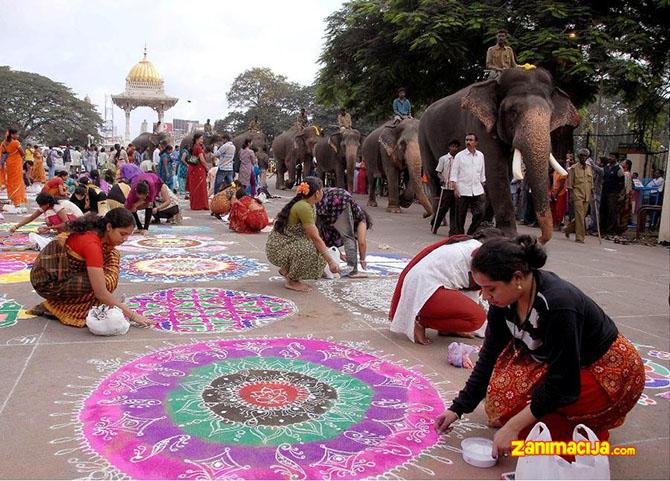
334,254
555,467
107,321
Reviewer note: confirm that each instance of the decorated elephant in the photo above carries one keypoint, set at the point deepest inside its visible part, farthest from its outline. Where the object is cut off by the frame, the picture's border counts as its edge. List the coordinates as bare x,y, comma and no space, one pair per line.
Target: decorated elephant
338,154
150,141
292,147
513,117
389,150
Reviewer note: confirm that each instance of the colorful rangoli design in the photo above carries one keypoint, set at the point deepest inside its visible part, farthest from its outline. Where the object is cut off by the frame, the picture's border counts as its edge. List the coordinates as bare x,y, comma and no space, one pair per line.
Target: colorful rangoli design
172,243
657,374
204,310
176,230
368,298
386,264
163,267
10,311
15,266
16,242
260,409
30,227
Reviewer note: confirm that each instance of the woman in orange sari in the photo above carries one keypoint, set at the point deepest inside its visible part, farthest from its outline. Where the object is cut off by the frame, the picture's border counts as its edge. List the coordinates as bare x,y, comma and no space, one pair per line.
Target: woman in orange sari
559,198
16,188
37,173
247,215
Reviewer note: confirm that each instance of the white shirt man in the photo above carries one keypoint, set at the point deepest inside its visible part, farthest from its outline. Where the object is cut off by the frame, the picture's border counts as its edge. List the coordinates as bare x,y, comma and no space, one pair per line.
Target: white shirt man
156,158
468,176
443,170
226,153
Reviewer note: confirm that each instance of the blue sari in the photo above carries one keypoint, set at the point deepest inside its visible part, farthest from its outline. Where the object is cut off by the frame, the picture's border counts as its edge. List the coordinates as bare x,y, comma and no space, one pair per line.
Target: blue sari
166,168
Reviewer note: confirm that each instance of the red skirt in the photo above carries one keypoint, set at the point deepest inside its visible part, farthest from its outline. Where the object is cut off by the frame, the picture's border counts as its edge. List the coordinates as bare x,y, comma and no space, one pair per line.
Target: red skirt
610,388
196,183
448,310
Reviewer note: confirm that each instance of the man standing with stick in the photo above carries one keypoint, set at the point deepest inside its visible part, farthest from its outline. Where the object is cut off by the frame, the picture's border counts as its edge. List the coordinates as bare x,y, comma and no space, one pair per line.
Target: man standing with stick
580,185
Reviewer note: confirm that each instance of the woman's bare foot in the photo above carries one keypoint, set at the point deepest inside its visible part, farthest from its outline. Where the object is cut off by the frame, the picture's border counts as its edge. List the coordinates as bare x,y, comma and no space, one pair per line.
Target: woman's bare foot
297,286
40,310
465,335
420,334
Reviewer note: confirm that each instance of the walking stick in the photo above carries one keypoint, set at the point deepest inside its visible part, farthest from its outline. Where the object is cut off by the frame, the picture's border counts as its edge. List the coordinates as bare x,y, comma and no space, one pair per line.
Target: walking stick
439,204
596,214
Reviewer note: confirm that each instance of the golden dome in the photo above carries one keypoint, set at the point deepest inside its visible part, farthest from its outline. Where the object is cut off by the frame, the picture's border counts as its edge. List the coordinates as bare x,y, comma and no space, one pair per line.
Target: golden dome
144,72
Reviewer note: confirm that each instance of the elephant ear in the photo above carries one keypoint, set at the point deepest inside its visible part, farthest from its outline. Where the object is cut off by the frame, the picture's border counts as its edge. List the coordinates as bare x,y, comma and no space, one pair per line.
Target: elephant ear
481,102
334,141
387,139
299,141
564,112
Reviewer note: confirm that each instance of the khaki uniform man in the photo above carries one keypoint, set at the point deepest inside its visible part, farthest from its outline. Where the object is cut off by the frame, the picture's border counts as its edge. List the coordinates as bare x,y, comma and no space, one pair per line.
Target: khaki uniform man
580,185
344,120
501,56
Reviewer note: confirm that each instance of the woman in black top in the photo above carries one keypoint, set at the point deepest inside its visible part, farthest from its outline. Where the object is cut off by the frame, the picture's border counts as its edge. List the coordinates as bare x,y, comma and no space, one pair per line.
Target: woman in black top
550,352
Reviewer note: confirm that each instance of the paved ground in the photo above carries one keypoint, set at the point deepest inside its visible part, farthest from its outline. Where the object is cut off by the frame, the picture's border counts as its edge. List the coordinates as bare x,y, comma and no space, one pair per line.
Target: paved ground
49,369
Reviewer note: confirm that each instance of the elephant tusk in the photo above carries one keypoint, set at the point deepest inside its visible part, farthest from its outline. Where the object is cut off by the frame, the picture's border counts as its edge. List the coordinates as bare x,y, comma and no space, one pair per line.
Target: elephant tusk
516,165
556,166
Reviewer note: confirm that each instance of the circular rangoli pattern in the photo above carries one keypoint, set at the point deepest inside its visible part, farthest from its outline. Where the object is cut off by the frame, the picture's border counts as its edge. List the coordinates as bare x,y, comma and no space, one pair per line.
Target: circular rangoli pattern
260,409
164,267
15,266
386,264
174,243
203,310
9,312
16,242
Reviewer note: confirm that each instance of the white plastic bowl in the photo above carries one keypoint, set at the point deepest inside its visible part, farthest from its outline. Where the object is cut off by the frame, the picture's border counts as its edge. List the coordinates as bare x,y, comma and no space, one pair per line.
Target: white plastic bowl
477,452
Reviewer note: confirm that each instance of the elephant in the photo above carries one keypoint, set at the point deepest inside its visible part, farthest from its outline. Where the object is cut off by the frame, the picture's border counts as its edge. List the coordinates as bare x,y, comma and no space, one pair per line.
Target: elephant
339,153
210,141
291,147
148,140
513,117
389,150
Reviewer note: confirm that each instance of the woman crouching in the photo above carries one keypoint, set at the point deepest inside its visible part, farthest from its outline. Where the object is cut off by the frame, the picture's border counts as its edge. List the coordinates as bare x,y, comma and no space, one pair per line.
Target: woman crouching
294,245
80,268
550,352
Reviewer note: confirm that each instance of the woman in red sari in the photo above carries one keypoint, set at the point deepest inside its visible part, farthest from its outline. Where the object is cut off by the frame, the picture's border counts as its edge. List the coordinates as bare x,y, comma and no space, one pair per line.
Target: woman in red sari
247,215
196,178
13,163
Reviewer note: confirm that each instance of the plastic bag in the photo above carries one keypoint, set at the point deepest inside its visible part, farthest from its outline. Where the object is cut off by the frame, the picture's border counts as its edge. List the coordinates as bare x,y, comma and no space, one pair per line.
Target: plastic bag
555,467
334,254
107,321
459,354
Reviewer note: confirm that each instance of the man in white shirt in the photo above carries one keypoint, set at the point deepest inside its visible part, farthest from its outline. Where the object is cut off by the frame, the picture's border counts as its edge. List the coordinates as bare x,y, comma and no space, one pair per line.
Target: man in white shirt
226,154
468,176
75,157
156,157
658,182
447,199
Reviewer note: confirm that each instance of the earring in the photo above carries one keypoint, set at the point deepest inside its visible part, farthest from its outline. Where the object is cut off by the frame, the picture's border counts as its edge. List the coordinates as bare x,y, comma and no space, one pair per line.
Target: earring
518,287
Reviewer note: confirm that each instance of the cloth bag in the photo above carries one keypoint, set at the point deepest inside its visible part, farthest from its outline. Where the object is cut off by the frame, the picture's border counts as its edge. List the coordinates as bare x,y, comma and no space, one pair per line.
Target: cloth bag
555,467
107,321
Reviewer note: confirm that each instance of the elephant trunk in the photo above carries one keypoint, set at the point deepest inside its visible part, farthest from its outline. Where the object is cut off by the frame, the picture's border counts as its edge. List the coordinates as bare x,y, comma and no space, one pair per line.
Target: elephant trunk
413,158
350,157
533,144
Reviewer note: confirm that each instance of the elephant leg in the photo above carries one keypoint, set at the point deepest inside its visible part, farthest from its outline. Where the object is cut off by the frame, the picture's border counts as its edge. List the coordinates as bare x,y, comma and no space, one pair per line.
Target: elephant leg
281,169
291,173
393,179
340,180
372,189
500,197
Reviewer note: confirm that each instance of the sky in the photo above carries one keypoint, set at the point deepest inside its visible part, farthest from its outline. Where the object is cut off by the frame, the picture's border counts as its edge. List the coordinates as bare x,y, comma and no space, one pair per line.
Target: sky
198,46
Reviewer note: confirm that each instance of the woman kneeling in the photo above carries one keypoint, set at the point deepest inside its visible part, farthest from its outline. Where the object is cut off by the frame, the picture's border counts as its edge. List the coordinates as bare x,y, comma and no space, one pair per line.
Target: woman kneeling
294,245
550,352
80,268
247,214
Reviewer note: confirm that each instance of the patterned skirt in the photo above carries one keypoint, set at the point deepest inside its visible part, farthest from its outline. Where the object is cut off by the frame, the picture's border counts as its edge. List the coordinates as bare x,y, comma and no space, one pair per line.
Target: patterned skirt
294,253
59,275
610,388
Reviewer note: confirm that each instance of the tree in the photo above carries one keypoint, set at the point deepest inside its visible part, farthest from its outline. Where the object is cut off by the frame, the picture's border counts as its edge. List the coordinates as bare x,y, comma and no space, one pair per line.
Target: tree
275,100
436,47
42,109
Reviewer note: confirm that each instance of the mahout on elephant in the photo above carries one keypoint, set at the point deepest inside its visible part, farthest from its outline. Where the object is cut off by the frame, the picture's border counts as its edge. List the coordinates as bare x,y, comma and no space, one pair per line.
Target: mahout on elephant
292,147
338,154
513,117
389,151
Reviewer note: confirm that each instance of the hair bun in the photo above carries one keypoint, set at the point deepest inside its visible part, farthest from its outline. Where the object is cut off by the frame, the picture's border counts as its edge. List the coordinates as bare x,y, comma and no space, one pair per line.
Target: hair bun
534,254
